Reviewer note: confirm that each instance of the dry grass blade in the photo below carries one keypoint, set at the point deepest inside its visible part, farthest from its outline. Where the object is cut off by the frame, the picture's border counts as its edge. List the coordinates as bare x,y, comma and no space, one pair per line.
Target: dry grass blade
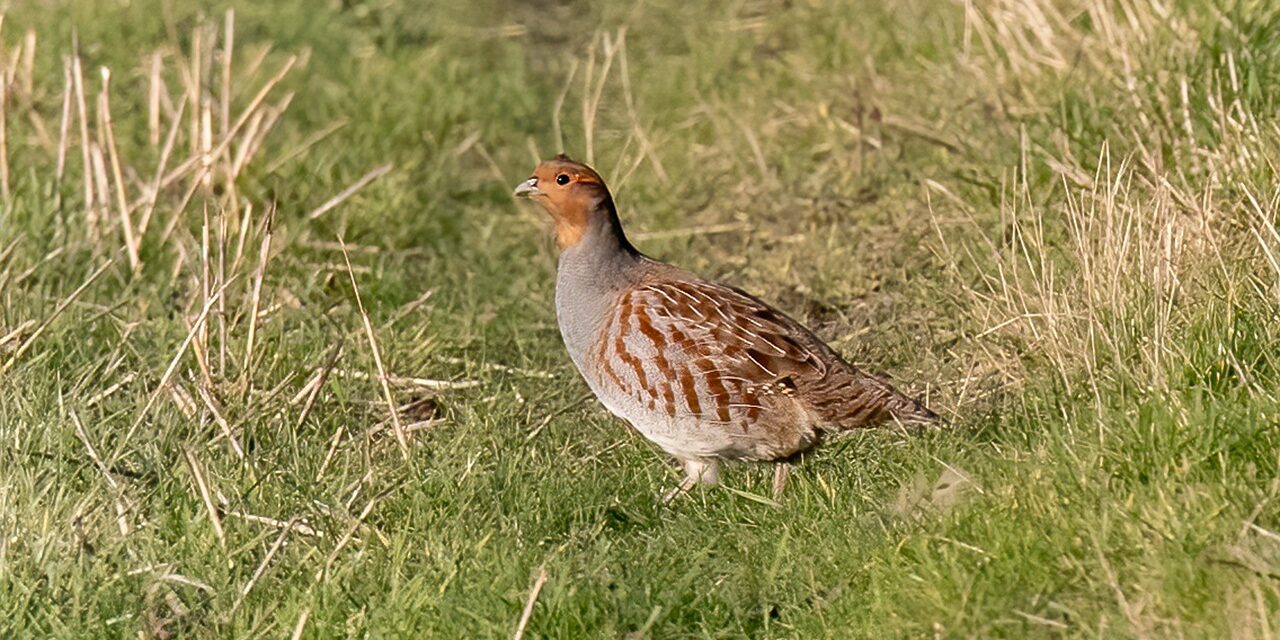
647,148
264,254
228,136
688,232
222,276
178,578
351,531
57,311
206,496
153,99
29,63
169,371
407,381
408,309
306,144
301,625
16,334
593,88
82,112
493,366
224,427
207,283
332,451
102,186
205,175
110,390
228,46
557,128
349,191
30,271
923,132
252,140
122,510
311,390
297,525
262,568
126,223
527,613
64,125
259,125
401,438
4,140
8,251
153,192
757,153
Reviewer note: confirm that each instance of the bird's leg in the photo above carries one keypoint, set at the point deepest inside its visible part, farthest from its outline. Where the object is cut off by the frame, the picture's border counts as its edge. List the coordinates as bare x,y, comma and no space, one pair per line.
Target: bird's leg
705,471
781,471
696,471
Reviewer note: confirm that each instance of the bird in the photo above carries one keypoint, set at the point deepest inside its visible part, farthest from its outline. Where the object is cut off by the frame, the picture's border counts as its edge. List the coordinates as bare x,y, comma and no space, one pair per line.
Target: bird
706,371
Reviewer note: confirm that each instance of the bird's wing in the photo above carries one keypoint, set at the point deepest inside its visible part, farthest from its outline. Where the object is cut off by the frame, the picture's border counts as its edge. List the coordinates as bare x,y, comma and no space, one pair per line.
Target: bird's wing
693,347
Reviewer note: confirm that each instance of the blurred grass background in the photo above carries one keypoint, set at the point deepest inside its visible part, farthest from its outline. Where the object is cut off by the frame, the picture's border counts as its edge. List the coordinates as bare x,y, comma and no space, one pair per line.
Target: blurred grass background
1056,219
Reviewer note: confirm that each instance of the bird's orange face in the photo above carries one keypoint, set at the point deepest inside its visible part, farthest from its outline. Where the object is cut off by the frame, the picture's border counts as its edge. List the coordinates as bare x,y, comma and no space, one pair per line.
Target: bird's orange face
571,192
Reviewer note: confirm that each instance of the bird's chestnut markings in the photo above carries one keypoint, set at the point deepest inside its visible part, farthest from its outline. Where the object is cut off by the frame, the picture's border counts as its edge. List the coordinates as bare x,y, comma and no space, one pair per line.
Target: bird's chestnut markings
651,336
714,353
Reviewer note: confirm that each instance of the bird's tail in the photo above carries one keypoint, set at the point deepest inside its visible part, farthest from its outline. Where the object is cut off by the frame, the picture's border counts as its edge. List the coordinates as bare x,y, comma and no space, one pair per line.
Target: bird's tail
912,412
869,401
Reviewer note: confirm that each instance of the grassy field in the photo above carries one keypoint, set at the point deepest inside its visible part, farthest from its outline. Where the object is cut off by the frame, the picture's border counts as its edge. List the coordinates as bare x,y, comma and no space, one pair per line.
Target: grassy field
1055,219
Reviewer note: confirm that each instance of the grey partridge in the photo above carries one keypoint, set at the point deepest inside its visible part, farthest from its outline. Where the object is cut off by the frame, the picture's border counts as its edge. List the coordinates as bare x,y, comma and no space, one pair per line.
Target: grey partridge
704,370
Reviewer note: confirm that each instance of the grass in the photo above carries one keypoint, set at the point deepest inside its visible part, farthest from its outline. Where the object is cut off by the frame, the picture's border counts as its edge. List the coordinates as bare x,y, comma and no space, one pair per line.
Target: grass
1056,219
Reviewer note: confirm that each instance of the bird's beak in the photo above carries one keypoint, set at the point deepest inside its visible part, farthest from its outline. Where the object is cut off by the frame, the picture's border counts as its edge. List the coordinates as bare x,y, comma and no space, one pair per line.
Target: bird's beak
527,189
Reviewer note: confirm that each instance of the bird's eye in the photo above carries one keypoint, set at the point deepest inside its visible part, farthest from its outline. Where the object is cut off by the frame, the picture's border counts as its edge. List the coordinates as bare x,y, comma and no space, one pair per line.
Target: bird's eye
562,178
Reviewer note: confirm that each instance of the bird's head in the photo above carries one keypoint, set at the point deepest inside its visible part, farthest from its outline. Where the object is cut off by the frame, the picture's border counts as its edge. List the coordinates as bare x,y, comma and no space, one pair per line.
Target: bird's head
573,193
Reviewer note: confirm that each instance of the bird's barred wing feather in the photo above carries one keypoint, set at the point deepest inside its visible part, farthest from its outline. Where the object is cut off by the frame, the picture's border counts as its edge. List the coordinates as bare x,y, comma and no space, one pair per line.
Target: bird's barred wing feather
696,348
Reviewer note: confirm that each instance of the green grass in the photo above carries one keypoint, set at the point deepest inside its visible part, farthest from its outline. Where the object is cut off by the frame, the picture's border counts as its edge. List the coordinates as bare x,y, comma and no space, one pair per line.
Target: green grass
1056,219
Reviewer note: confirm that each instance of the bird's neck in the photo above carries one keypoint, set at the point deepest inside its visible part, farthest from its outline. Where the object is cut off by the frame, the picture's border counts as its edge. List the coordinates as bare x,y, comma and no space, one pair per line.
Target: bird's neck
601,246
592,274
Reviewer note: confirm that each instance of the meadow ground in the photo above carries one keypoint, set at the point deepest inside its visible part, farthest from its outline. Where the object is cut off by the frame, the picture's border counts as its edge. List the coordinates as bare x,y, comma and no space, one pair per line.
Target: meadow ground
1056,219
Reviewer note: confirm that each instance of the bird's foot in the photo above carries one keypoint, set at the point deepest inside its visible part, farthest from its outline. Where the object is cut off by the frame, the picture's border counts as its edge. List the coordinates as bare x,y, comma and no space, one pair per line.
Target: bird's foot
696,471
